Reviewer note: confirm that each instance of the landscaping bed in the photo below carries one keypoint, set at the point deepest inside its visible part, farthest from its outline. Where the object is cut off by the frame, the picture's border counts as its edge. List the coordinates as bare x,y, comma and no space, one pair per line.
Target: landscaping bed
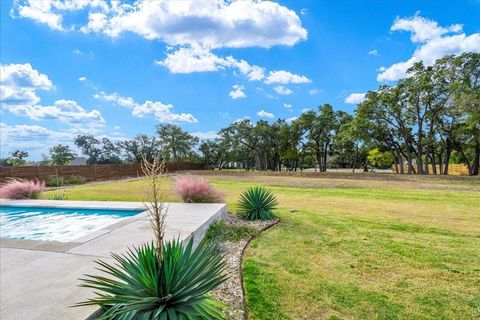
232,236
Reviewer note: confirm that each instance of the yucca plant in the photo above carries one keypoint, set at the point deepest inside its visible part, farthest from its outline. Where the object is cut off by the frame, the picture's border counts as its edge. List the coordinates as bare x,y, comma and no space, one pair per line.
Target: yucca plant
162,280
257,203
146,287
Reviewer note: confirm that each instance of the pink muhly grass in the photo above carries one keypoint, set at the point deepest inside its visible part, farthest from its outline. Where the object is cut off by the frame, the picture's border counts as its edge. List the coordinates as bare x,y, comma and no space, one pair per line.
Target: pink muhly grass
197,190
21,189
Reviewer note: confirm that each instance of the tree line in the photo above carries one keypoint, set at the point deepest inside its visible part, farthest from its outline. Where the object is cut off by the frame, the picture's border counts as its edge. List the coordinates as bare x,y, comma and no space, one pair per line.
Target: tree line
420,125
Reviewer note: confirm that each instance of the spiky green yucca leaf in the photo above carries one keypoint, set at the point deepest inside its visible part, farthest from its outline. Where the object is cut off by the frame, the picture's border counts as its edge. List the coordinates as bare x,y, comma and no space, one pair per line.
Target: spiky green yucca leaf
142,286
257,203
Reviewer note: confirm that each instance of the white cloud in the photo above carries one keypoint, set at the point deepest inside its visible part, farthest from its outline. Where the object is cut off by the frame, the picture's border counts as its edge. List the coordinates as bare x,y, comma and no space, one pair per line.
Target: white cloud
207,135
51,12
201,59
19,82
237,92
23,75
37,139
282,90
287,105
18,86
116,98
373,52
31,138
355,98
265,114
162,112
291,119
434,42
82,79
313,92
192,59
252,72
423,29
306,110
89,54
67,111
285,77
214,24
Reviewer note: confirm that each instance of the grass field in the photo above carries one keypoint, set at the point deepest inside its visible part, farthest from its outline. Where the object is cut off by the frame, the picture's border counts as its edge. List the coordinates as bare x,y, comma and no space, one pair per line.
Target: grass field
354,246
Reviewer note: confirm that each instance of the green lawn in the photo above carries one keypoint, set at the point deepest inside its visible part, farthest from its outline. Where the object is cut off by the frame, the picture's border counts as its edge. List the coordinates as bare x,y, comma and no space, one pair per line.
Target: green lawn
358,249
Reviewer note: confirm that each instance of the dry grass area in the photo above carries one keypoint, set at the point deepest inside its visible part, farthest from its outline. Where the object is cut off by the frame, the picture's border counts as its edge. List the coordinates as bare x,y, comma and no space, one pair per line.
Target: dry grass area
353,246
358,179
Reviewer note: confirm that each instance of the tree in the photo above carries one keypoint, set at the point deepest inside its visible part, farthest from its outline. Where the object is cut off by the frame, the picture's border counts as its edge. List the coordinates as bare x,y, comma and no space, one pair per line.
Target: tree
352,142
320,129
379,159
61,155
88,144
17,158
212,153
142,146
98,151
176,143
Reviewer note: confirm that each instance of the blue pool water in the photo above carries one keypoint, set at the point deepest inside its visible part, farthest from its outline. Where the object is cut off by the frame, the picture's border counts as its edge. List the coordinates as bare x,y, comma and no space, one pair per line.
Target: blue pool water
56,224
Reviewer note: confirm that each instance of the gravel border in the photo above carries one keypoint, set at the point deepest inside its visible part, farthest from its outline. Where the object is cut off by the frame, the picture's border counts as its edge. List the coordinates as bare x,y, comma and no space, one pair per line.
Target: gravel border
232,292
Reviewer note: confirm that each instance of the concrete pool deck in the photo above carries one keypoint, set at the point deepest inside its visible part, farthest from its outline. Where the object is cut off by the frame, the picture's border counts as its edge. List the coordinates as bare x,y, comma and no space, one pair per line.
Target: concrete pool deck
39,279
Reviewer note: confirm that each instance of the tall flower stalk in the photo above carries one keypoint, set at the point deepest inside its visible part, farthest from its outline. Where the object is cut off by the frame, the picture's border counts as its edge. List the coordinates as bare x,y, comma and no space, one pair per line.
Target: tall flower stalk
157,209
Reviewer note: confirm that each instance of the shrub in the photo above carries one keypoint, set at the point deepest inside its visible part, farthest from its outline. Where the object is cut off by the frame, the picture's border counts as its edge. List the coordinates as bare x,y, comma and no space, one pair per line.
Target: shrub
257,204
54,181
58,181
174,286
21,189
197,190
74,180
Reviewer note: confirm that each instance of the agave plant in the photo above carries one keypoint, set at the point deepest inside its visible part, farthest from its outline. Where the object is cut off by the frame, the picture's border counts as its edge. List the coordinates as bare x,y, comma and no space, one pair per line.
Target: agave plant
257,204
145,286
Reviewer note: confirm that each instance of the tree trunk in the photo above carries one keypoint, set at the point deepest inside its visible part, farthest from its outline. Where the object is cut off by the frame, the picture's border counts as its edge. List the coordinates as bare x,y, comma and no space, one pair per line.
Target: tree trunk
427,152
325,152
400,161
409,161
395,161
355,158
447,156
476,163
434,162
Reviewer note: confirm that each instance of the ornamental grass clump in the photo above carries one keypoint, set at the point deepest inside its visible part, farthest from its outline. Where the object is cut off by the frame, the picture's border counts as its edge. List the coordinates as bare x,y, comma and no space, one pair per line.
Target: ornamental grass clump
257,203
21,189
197,190
162,279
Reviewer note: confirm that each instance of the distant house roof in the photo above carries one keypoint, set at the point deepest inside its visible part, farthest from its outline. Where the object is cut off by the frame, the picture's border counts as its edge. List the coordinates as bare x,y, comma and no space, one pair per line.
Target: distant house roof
78,161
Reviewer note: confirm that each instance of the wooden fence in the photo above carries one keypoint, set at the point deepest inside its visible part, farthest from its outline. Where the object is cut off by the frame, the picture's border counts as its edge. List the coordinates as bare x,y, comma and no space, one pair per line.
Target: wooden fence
453,169
91,172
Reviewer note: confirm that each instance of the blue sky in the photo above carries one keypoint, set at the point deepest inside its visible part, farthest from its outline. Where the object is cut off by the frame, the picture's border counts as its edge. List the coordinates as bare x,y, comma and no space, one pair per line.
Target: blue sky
71,67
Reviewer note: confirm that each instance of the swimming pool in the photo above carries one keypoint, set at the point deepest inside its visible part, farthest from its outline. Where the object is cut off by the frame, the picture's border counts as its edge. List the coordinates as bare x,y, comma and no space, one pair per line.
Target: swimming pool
56,224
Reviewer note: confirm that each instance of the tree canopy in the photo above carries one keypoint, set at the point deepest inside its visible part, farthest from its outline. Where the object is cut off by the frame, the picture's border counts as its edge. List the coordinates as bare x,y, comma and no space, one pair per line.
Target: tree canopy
421,124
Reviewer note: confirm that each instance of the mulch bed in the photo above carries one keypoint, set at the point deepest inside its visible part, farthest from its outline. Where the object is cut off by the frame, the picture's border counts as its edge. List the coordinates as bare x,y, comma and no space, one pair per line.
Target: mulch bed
231,292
